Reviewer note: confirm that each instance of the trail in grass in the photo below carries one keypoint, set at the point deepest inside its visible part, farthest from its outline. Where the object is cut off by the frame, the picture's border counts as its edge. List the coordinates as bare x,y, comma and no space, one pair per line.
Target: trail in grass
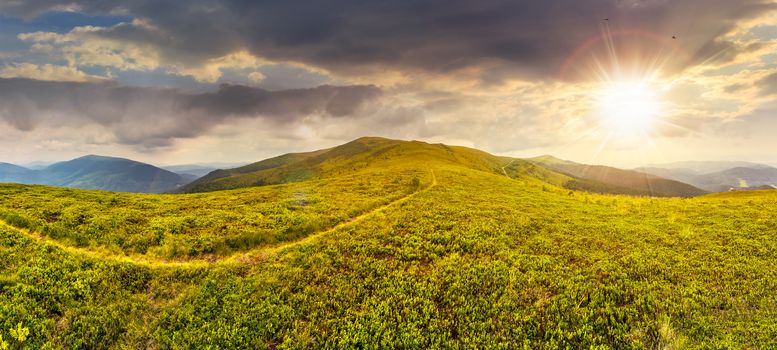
508,164
251,255
238,257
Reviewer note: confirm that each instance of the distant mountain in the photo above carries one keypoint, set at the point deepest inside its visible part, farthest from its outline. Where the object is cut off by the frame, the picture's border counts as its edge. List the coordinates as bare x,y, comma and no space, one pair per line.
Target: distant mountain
605,179
759,188
705,167
737,177
37,165
680,174
17,174
112,174
190,170
199,170
98,172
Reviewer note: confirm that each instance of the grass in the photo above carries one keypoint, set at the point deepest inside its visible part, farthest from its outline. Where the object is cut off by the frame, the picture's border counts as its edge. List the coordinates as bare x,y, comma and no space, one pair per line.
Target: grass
479,261
198,225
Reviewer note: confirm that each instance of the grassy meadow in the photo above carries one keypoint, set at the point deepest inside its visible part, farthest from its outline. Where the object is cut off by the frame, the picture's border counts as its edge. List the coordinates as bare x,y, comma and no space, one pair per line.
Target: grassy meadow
416,246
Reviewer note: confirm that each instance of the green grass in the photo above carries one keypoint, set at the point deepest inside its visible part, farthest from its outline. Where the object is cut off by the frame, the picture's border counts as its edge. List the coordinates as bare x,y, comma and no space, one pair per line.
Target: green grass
191,226
480,260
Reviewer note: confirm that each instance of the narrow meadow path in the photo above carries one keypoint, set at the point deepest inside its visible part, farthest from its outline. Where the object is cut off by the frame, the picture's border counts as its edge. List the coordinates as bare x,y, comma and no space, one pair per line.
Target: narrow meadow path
235,258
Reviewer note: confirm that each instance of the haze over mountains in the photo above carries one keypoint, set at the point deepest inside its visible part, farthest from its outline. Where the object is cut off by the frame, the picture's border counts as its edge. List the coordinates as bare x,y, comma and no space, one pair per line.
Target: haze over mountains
619,181
199,169
97,172
682,179
718,176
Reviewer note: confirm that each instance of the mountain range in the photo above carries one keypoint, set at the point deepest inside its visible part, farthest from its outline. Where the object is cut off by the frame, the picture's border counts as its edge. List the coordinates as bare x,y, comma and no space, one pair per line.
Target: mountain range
605,179
97,172
718,176
681,179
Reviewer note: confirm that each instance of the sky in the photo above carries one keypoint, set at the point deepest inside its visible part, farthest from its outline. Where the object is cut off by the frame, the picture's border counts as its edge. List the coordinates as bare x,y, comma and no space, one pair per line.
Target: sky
619,82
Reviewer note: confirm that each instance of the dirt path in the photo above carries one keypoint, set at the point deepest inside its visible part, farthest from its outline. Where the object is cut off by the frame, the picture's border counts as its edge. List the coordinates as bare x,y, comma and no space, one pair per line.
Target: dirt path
239,257
507,165
354,220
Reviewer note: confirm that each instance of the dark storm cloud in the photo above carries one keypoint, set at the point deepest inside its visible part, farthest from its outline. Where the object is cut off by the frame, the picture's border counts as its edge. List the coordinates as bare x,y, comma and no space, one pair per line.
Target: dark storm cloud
348,36
244,100
154,117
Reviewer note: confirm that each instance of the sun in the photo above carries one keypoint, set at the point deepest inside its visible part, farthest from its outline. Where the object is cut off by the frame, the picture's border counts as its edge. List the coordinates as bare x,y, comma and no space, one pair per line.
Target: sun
628,109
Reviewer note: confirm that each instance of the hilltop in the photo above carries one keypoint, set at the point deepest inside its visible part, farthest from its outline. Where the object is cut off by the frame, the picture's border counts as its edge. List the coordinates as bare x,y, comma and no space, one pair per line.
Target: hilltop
375,152
354,156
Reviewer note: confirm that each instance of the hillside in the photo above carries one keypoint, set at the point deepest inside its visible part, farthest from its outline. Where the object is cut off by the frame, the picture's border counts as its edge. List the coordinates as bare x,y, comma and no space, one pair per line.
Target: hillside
372,151
352,156
405,245
604,179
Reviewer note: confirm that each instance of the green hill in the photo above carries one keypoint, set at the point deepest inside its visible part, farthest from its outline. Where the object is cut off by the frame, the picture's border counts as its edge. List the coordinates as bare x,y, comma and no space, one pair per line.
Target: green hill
388,244
375,152
363,153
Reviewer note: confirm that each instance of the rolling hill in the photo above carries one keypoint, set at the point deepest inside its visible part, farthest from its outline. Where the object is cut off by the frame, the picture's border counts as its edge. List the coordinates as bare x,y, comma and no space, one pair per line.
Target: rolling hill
352,156
371,151
604,179
387,244
98,172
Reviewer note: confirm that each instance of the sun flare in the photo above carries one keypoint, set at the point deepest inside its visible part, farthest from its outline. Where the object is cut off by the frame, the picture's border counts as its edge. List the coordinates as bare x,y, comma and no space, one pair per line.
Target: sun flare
628,109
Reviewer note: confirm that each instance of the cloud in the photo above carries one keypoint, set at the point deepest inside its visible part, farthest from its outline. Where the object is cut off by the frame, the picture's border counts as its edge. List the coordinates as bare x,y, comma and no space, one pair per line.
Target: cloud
90,46
286,104
502,39
153,117
489,73
768,85
47,72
